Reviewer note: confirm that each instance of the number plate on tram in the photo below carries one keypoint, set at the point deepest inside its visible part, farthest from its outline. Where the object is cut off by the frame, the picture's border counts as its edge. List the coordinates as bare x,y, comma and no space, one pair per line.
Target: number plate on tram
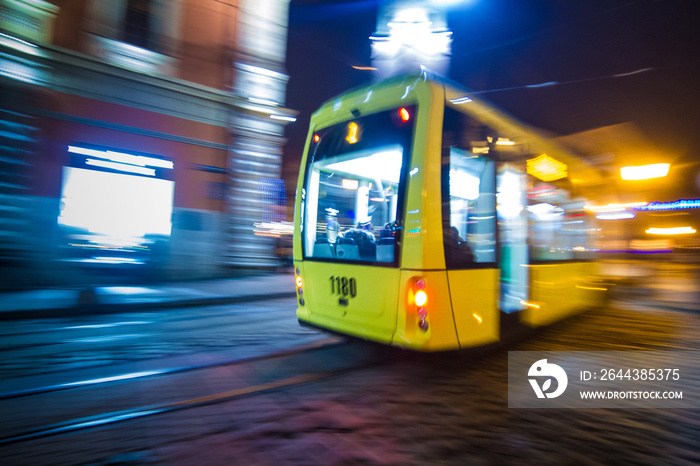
343,286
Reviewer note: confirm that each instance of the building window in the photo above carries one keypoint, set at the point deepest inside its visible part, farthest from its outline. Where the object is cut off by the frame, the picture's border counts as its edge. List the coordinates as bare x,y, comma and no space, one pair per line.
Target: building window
138,23
135,34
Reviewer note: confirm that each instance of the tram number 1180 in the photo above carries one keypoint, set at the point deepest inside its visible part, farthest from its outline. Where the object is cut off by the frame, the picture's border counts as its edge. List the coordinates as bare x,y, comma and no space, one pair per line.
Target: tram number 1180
343,286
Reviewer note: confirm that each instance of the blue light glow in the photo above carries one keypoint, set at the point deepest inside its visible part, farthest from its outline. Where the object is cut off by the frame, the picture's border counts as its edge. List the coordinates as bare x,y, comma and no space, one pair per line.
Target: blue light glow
676,205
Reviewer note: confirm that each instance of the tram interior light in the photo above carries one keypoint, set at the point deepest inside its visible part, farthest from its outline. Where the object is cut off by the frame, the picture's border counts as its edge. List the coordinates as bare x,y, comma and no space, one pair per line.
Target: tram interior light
385,165
350,184
645,172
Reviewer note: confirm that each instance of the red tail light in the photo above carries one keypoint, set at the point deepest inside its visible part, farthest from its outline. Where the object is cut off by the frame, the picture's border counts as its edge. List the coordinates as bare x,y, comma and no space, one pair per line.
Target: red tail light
299,283
418,302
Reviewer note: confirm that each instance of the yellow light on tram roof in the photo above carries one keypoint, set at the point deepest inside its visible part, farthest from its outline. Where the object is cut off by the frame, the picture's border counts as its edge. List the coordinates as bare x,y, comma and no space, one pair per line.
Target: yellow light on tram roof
671,231
353,133
644,172
547,168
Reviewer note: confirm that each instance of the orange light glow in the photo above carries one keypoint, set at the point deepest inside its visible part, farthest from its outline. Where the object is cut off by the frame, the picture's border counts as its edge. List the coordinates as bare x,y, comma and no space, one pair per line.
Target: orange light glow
352,136
421,298
644,172
546,168
299,282
403,113
671,231
317,138
529,304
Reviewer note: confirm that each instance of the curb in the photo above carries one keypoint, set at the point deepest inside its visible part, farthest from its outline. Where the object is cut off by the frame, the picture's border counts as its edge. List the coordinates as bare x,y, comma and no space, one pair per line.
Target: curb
97,308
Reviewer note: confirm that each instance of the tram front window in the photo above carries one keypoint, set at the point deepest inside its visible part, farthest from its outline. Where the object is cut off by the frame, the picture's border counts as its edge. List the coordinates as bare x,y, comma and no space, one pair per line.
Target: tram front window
352,189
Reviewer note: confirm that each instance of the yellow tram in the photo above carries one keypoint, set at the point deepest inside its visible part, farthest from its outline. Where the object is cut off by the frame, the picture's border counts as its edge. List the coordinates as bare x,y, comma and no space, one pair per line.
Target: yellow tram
426,218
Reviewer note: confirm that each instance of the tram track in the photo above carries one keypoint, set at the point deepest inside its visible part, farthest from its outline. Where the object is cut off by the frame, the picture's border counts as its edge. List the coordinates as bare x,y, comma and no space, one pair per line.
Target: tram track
134,376
75,344
159,321
280,370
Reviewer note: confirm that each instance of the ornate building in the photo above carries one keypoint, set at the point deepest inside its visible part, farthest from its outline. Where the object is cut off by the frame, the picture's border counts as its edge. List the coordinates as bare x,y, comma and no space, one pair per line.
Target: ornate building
140,132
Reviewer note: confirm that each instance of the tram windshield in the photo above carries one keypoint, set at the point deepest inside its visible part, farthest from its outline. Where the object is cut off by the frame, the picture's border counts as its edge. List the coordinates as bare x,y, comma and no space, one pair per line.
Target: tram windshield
352,192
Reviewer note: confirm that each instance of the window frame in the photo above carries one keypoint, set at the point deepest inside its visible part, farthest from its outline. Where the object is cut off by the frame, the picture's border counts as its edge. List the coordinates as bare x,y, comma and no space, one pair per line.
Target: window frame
445,198
402,190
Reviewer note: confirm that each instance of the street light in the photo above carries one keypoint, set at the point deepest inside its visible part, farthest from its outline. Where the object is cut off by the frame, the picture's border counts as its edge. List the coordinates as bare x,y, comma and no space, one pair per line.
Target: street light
644,172
671,231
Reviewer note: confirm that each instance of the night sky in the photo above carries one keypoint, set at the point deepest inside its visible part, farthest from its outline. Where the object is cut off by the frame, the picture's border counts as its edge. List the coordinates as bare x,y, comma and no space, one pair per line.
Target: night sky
613,61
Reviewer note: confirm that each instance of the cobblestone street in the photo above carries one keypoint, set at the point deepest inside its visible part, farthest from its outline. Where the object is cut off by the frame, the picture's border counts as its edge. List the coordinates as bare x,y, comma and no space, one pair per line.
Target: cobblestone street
431,410
401,408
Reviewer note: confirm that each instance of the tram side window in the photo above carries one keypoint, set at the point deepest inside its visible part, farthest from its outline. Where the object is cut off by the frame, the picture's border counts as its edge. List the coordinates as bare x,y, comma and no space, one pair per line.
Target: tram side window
468,193
560,228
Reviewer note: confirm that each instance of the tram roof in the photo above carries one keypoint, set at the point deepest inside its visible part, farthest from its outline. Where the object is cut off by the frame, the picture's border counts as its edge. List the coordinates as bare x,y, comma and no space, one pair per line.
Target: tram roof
582,171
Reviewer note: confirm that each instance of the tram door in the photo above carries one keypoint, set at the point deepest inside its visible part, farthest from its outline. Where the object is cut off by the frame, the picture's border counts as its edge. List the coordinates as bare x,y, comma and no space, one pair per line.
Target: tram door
469,228
512,237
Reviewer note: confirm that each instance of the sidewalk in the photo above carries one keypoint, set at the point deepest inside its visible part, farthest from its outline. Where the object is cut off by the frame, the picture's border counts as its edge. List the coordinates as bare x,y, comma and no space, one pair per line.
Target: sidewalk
62,302
673,286
660,285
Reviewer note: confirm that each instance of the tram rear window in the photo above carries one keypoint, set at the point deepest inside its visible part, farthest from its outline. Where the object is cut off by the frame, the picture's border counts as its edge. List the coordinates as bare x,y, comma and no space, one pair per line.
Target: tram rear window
352,191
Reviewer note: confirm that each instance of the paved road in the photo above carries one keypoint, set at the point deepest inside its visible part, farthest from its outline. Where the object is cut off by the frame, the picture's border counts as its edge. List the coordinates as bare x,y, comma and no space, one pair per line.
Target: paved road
406,409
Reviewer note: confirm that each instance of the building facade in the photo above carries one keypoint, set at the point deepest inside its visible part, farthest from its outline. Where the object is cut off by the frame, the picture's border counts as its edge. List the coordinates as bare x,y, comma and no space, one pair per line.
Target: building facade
140,137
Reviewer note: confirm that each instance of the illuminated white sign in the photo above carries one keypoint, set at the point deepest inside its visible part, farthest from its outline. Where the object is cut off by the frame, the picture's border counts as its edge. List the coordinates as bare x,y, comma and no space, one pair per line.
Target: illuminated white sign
122,158
114,205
